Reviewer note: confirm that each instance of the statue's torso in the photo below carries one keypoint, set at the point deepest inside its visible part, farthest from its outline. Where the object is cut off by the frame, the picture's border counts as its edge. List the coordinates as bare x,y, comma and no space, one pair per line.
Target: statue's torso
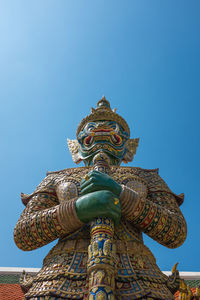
64,272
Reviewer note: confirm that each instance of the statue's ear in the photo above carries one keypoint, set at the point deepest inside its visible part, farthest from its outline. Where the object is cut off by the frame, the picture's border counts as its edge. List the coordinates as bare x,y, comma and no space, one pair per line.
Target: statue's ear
74,150
131,147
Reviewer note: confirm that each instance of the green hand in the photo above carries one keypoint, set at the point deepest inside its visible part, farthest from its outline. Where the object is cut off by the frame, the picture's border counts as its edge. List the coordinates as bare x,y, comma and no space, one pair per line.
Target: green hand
98,204
99,181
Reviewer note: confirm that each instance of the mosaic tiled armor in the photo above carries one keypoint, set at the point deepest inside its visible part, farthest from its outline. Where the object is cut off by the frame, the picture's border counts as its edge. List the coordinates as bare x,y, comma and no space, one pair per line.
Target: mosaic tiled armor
94,259
153,210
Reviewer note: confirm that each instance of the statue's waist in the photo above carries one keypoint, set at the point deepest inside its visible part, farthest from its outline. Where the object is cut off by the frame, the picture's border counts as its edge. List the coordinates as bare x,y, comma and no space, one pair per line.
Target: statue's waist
81,246
124,231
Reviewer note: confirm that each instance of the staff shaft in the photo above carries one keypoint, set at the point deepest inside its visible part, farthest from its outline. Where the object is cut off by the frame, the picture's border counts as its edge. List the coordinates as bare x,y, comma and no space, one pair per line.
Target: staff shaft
102,250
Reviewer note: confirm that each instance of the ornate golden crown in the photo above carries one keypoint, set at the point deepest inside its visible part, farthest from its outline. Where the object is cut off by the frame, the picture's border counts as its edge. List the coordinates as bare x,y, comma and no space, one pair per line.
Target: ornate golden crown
103,112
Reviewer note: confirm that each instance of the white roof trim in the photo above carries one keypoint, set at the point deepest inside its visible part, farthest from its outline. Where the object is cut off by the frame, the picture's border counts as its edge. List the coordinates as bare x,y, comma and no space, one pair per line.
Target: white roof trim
13,270
19,270
186,275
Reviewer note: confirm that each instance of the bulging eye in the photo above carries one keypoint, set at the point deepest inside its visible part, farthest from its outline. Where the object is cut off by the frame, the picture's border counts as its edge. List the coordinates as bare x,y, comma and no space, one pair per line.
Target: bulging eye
115,127
89,128
88,140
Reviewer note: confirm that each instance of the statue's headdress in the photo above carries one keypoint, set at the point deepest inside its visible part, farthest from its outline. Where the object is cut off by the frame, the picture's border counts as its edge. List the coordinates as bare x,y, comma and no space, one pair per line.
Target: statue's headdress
103,112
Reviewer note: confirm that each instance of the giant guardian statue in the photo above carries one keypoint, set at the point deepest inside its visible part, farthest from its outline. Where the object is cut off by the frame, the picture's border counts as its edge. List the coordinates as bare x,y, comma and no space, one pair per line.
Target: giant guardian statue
99,213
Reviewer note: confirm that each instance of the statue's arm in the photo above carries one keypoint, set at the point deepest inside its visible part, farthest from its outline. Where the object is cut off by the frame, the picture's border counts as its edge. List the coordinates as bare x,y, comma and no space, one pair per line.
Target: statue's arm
158,215
44,220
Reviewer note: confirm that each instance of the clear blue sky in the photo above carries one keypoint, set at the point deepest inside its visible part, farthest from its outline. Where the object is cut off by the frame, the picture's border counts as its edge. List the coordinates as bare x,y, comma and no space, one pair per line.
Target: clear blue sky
57,58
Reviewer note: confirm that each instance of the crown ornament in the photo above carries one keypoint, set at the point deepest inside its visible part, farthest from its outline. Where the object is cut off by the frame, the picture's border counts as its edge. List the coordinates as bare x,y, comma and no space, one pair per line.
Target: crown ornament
103,112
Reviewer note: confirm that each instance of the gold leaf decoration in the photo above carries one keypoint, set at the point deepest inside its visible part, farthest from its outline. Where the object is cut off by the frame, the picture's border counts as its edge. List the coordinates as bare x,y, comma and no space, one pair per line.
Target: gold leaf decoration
95,248
106,247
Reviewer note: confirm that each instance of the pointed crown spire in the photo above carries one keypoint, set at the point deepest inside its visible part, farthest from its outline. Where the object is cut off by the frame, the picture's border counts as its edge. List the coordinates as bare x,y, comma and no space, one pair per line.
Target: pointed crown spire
103,103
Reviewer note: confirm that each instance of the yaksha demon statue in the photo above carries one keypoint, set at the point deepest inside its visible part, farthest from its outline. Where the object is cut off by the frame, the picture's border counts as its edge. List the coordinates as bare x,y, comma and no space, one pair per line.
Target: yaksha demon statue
99,213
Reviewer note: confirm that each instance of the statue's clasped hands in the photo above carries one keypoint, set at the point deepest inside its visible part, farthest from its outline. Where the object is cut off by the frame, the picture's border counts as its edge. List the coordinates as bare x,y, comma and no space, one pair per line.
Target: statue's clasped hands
100,198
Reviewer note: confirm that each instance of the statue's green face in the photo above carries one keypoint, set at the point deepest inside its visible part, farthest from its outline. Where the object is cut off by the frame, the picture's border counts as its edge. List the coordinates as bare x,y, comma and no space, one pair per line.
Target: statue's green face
107,136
